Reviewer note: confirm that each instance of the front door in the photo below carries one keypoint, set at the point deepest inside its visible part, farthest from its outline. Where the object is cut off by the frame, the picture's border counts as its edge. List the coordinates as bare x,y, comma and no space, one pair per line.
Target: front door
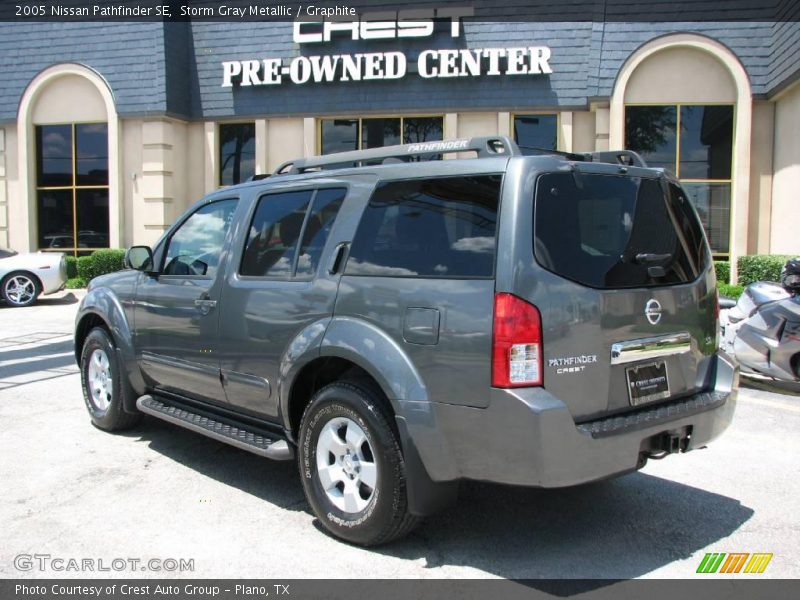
177,310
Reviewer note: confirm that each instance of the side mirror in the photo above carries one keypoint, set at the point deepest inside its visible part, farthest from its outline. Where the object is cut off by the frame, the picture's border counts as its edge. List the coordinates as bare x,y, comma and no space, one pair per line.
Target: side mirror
139,258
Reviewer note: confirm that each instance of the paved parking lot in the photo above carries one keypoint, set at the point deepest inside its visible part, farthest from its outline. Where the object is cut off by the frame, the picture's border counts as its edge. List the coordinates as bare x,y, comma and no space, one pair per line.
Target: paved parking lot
72,491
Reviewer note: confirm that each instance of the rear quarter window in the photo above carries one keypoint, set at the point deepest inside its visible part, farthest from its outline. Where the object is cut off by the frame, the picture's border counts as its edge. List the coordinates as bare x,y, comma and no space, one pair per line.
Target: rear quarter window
440,228
608,231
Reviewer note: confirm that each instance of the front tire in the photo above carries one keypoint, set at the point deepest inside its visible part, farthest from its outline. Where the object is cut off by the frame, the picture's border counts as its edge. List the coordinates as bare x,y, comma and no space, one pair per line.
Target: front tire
352,467
102,382
20,289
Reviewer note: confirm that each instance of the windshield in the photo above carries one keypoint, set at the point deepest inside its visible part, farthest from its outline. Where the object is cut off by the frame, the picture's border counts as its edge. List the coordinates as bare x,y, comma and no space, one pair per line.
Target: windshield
6,252
610,231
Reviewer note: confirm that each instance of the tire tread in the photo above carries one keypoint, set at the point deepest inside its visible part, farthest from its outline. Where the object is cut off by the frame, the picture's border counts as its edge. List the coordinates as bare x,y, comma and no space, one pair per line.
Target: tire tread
403,522
118,420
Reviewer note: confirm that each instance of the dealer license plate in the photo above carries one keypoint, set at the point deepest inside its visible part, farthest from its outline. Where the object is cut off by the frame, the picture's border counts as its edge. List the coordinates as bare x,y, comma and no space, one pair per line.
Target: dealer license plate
647,383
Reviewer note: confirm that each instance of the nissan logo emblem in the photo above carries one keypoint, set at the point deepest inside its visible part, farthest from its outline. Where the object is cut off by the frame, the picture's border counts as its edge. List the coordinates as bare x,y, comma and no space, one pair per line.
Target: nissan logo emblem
652,310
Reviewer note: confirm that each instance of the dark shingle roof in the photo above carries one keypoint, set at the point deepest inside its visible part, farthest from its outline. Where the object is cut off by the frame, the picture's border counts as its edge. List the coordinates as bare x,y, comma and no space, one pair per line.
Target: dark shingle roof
175,68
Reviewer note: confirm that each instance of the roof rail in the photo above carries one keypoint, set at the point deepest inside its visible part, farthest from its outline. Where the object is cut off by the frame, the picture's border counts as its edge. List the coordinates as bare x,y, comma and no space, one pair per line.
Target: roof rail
259,176
485,146
627,158
580,156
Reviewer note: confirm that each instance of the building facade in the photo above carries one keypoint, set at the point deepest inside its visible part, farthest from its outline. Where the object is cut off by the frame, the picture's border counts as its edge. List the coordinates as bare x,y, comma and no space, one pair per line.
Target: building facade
108,131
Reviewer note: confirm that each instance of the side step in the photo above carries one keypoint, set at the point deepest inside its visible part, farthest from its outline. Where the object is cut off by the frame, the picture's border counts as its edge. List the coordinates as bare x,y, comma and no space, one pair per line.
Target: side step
239,436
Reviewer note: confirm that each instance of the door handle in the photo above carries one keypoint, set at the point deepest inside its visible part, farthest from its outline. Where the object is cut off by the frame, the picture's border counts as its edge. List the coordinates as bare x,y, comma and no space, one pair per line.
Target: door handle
338,258
205,303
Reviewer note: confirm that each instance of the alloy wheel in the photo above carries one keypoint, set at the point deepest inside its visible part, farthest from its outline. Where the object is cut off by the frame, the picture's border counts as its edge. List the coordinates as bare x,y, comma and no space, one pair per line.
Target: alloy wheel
99,379
346,465
20,289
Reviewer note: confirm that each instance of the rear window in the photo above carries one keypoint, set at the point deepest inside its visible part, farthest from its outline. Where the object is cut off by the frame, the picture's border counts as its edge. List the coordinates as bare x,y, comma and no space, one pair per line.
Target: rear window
609,231
443,227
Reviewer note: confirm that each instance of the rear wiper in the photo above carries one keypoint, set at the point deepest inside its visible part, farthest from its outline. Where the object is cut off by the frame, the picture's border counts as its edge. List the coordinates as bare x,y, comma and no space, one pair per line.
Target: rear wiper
652,258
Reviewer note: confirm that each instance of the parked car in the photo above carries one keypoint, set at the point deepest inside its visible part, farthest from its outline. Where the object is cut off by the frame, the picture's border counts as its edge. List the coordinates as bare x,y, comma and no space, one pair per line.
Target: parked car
398,327
23,277
86,239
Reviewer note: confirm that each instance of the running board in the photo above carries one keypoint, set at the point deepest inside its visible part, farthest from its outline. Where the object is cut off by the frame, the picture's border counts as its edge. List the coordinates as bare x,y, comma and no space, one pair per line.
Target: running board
239,436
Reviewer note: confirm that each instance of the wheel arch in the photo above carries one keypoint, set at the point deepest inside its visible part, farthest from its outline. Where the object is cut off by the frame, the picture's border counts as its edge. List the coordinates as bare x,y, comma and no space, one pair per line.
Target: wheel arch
87,322
355,350
314,376
361,350
101,307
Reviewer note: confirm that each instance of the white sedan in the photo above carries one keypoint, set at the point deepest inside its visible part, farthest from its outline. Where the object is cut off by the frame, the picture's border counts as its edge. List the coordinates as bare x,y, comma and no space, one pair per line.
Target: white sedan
23,277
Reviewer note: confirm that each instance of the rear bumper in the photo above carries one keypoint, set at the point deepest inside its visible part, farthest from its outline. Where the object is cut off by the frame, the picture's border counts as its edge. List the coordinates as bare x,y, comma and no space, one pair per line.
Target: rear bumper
528,436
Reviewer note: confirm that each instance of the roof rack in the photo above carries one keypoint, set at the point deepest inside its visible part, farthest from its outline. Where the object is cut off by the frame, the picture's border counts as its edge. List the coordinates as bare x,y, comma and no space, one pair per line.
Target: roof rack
485,146
627,158
259,176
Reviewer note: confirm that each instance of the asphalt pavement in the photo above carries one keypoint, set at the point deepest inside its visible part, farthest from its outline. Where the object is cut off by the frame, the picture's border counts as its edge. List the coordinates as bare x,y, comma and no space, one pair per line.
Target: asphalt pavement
71,491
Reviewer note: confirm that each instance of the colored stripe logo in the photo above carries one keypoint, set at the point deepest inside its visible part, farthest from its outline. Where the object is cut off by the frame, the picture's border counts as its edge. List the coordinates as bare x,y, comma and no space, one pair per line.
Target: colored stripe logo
734,562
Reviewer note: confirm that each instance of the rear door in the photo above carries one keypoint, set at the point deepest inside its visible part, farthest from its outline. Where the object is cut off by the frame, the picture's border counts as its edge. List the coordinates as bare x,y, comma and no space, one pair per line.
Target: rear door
280,286
624,287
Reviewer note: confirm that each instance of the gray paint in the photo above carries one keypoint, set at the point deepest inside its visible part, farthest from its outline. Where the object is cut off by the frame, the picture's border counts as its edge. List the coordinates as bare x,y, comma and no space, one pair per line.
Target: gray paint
174,68
540,445
454,424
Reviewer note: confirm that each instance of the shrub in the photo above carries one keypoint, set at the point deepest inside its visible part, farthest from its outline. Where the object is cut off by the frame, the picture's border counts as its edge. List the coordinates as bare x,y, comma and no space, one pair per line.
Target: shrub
72,267
85,267
723,269
760,267
107,261
99,263
75,283
730,291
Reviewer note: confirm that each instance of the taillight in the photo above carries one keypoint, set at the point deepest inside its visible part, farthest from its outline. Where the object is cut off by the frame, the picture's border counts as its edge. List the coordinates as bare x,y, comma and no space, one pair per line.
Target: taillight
516,343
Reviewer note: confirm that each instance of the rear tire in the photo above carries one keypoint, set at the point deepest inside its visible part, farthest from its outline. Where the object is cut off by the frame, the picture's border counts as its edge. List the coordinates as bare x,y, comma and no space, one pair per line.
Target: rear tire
102,380
20,288
352,467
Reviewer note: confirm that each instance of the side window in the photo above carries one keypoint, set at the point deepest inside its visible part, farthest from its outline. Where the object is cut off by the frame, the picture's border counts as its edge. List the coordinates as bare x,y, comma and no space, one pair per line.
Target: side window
285,221
324,209
195,248
442,227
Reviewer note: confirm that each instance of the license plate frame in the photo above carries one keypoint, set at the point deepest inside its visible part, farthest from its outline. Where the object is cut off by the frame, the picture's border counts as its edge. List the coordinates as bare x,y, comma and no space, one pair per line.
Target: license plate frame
647,382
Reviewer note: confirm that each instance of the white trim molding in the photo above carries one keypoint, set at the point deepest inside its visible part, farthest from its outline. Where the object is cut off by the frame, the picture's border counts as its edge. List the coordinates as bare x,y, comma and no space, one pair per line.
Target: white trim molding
27,150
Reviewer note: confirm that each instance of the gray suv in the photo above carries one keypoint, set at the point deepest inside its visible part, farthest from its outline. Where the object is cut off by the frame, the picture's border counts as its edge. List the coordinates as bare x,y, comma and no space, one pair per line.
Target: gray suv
398,324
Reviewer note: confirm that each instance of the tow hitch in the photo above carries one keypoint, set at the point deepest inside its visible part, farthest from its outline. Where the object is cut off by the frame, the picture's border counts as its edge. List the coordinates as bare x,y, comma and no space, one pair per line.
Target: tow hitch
668,442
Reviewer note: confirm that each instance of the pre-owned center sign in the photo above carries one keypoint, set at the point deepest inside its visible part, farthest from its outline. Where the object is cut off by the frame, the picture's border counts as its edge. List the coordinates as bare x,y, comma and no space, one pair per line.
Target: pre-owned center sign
368,66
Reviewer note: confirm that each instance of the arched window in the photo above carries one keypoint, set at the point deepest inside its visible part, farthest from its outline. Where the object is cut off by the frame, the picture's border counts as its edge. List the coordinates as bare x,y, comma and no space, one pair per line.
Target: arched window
683,101
72,187
69,132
